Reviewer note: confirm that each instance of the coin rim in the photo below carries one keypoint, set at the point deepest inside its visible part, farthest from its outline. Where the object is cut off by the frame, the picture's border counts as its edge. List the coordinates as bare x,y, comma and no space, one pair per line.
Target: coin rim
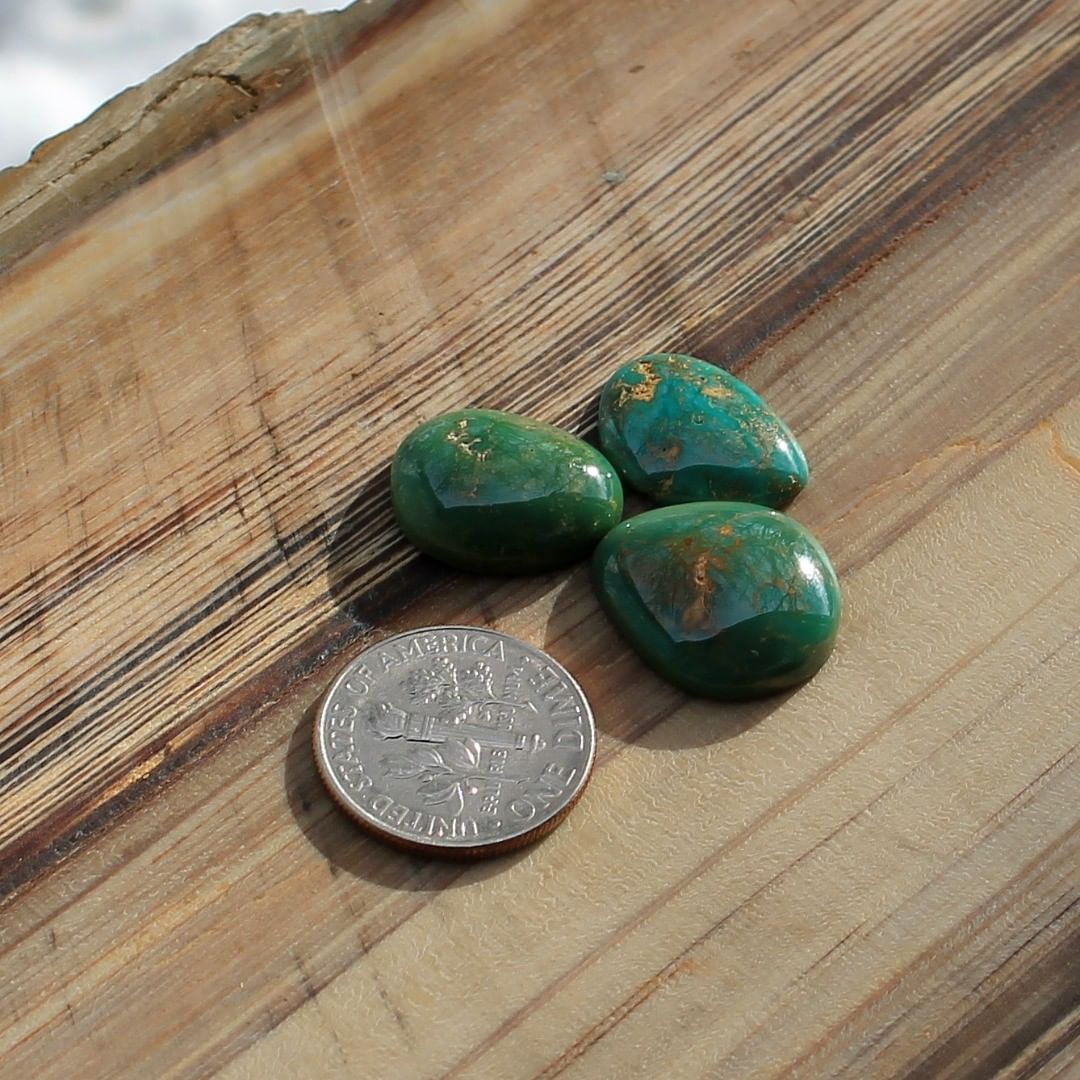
460,849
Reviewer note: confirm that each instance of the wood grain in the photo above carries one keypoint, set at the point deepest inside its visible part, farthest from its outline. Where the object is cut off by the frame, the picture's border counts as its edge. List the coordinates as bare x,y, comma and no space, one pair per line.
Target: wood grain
869,209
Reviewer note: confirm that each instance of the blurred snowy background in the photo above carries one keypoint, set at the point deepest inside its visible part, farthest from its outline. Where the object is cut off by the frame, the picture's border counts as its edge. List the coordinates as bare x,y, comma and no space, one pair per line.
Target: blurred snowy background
61,59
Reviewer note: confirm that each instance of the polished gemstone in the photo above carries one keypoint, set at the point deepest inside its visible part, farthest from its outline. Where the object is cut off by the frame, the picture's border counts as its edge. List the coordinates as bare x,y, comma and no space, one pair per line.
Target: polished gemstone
502,494
724,599
682,430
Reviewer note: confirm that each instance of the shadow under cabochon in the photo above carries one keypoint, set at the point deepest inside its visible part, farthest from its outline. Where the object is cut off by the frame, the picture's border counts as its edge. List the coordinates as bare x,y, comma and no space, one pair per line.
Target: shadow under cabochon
726,600
498,493
682,430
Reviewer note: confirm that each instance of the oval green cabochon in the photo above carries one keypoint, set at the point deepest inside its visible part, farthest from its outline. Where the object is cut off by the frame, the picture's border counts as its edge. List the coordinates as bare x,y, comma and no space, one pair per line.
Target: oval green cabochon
498,493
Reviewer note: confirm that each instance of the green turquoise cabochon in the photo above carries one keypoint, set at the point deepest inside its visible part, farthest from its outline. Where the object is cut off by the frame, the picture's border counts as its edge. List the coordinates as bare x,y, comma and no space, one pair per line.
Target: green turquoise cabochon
724,599
683,430
502,494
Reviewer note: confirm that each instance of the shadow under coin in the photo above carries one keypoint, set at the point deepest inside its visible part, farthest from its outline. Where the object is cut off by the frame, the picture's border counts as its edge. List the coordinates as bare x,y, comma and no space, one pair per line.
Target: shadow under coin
350,849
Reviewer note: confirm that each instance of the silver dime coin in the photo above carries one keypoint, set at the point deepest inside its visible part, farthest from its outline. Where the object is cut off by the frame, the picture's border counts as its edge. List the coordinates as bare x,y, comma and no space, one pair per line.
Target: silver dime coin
455,740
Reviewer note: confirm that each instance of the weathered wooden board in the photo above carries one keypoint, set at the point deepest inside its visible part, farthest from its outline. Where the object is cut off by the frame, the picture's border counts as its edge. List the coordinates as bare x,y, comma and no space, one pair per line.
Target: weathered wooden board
210,346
